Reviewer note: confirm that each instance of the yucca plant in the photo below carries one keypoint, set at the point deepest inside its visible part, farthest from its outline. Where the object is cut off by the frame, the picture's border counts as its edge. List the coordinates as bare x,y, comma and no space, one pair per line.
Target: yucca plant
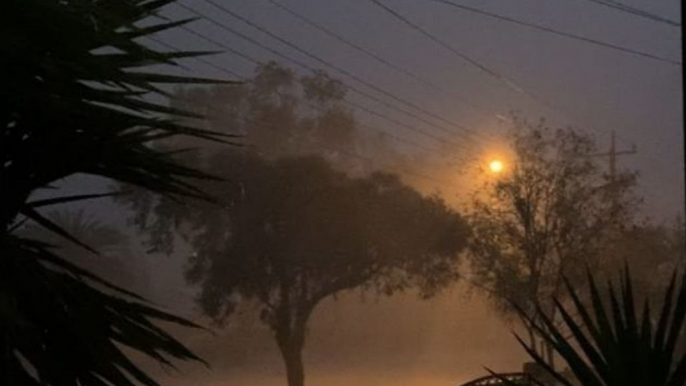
612,345
74,100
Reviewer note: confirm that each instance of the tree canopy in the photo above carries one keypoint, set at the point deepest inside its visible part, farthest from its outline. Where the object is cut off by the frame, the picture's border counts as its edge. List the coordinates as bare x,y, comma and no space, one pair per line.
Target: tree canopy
283,114
293,231
549,216
301,220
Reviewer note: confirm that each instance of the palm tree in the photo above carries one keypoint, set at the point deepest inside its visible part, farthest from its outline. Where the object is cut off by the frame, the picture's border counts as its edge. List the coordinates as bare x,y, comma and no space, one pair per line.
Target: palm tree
74,100
113,262
612,345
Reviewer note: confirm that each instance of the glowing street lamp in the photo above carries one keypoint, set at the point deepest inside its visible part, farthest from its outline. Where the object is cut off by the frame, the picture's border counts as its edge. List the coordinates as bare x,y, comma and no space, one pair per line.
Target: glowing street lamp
496,166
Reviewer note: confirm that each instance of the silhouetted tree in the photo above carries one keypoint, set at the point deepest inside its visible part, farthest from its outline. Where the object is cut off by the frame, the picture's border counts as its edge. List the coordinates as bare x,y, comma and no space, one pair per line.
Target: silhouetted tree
292,232
73,102
549,215
282,114
652,251
278,113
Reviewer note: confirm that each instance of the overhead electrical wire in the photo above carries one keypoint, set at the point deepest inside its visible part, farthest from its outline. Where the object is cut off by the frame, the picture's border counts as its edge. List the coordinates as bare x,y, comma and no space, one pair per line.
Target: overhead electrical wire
414,26
553,31
635,11
393,136
306,67
376,57
500,77
347,86
343,71
352,104
482,67
355,105
269,125
489,71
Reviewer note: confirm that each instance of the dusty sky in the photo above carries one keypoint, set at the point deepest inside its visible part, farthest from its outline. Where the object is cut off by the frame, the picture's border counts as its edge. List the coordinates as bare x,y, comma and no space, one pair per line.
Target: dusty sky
403,341
588,87
568,82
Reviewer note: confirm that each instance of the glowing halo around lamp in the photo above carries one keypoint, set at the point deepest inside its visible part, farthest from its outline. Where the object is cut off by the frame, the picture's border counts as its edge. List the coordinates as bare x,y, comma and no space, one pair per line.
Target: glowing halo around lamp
496,166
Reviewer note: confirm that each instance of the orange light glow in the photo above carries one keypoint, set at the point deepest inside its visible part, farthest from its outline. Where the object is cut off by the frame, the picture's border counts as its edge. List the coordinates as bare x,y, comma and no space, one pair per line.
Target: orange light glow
496,166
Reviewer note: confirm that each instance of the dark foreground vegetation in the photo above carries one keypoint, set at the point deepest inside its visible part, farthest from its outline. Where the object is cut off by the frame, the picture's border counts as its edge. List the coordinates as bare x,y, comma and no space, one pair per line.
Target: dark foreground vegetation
72,103
613,340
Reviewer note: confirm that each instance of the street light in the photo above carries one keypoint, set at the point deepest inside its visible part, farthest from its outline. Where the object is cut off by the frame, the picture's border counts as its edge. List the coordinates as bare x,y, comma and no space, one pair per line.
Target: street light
496,166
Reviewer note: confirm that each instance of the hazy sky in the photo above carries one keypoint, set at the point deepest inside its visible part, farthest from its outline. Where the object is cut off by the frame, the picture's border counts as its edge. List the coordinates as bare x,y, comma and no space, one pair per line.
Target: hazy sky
568,82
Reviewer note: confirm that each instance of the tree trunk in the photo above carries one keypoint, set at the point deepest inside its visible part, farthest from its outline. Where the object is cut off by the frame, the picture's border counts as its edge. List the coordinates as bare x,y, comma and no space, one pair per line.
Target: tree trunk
292,357
291,343
290,337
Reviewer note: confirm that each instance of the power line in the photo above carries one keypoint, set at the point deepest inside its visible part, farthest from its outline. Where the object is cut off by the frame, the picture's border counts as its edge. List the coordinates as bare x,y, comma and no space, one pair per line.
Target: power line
320,109
343,71
491,72
302,65
224,46
199,59
635,11
372,55
311,69
265,124
354,105
549,30
311,105
507,82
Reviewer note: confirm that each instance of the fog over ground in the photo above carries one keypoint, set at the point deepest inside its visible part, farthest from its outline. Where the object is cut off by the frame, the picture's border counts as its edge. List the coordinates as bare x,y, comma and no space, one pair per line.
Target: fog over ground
399,340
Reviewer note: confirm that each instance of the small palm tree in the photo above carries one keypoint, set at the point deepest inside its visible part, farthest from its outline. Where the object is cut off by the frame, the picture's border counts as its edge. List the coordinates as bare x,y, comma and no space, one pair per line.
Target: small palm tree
74,101
612,345
113,261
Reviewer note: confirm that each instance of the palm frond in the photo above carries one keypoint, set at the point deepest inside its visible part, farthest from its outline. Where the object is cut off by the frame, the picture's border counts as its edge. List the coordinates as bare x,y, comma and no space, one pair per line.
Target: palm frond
72,97
614,345
77,99
63,335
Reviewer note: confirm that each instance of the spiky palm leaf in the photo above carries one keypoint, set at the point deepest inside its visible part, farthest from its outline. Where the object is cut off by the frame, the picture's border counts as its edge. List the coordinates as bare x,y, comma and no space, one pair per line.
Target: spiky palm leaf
74,100
65,326
614,346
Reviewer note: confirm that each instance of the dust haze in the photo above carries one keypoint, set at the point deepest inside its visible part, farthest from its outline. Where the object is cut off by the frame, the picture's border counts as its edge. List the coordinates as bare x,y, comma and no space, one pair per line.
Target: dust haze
424,305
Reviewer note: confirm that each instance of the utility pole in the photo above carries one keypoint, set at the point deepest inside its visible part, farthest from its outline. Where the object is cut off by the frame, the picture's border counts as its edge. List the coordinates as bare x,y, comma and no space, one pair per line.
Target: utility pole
612,155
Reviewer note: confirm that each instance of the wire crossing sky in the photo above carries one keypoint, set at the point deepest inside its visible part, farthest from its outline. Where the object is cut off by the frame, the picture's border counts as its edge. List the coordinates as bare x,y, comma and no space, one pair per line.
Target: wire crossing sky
592,66
557,32
289,59
635,11
371,54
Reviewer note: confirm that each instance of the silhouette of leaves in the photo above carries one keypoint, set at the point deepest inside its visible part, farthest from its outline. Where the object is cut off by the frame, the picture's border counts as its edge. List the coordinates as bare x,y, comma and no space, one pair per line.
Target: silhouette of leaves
76,325
614,345
76,100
